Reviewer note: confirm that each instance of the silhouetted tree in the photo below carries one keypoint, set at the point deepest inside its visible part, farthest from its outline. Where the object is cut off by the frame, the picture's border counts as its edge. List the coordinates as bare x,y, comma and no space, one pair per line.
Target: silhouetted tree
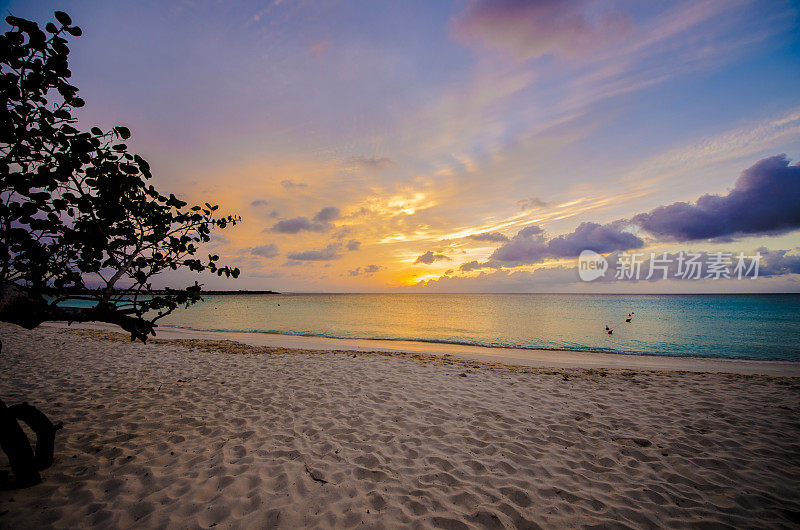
78,219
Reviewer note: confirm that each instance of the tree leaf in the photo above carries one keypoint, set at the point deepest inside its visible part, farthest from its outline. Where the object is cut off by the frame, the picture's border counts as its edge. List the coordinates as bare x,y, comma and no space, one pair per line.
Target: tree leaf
63,18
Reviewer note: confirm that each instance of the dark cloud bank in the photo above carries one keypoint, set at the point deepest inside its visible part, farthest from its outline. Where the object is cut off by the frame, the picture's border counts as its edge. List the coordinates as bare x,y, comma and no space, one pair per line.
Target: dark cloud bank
764,201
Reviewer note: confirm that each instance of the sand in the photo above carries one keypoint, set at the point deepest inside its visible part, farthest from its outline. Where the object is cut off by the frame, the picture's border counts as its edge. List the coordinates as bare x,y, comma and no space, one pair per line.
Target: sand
199,434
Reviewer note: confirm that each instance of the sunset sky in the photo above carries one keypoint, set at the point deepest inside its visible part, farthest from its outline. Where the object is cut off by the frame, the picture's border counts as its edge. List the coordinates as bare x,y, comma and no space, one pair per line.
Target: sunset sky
406,146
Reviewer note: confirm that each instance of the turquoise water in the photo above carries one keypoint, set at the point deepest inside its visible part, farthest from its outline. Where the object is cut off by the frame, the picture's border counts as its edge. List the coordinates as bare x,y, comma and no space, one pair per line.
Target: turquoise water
732,326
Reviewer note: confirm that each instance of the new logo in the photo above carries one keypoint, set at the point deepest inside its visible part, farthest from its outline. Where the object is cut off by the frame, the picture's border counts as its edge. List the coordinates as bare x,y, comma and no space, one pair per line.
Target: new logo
591,265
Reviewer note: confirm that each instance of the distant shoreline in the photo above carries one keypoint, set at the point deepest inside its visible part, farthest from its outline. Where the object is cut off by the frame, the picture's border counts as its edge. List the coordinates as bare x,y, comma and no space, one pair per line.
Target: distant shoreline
164,291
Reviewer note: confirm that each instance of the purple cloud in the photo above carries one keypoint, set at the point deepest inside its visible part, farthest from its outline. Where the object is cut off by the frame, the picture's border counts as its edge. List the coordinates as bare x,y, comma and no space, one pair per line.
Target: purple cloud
353,244
472,265
593,236
528,246
529,231
531,203
319,223
327,214
496,237
531,246
290,184
429,257
298,224
265,251
371,162
778,262
764,201
331,252
369,270
529,29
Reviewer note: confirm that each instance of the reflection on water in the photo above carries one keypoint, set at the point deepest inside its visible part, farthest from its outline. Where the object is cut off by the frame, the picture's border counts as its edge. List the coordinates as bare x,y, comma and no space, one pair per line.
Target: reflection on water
736,326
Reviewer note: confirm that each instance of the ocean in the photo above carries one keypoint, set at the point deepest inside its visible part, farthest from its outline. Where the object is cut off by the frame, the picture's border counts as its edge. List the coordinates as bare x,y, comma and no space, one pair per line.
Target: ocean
763,327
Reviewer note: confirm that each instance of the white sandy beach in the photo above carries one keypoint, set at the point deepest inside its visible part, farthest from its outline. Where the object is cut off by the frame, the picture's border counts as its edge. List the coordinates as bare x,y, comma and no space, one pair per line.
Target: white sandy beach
195,433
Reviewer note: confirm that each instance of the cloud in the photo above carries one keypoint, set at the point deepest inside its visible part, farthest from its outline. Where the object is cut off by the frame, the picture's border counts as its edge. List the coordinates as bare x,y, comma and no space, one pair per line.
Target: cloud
529,29
371,162
259,203
695,266
530,245
265,251
593,236
361,211
778,262
471,266
369,270
429,257
215,239
524,248
319,48
298,224
552,279
765,200
560,278
489,236
331,252
531,203
289,184
320,222
529,231
327,214
353,244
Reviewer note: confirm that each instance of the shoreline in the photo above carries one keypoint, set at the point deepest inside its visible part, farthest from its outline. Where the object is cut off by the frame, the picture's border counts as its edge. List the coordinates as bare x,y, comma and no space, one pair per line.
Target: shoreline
534,358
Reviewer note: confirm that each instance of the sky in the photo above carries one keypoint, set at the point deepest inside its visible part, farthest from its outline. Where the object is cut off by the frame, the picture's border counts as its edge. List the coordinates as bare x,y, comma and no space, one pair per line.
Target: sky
464,146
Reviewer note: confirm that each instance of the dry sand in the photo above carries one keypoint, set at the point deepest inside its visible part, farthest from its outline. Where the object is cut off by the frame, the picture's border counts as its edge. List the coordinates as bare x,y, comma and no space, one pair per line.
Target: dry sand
194,434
